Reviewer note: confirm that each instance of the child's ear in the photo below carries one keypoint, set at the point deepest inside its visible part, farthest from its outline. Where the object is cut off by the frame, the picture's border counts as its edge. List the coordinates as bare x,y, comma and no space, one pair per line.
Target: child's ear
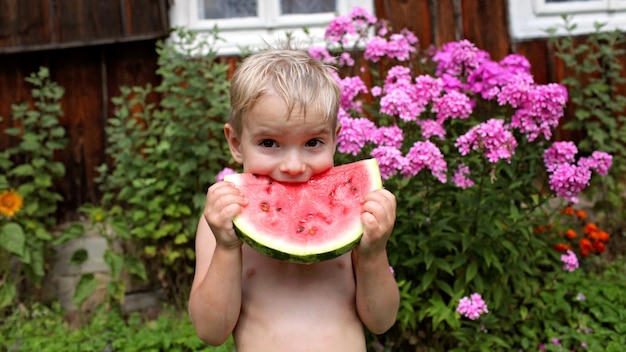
337,130
234,144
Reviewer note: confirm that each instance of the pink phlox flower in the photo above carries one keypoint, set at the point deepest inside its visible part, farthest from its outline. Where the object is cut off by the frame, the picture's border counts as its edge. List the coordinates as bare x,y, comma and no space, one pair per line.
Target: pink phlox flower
410,37
397,77
492,136
399,48
432,128
390,136
339,29
598,161
427,87
376,91
460,178
398,102
540,110
454,105
375,49
354,134
321,53
486,79
561,152
457,57
516,63
426,155
346,60
570,261
362,19
569,180
472,307
451,83
225,171
515,93
390,160
350,88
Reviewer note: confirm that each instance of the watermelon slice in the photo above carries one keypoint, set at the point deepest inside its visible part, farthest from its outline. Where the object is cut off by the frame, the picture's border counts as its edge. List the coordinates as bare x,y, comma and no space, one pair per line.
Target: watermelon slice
305,222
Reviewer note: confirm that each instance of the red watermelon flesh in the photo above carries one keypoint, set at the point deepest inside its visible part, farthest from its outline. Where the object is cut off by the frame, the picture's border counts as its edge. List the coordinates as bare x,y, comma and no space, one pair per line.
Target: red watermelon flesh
306,222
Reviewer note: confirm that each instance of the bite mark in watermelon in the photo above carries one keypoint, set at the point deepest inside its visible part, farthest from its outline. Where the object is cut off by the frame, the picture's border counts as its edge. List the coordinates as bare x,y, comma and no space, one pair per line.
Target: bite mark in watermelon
305,222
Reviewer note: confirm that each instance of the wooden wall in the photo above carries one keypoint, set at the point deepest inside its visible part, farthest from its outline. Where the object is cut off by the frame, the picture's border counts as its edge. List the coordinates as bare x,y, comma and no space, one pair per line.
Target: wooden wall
93,47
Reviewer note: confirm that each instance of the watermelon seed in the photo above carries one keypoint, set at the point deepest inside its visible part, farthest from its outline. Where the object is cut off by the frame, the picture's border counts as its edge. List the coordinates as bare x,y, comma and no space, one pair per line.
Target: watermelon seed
265,207
278,209
353,189
300,228
312,230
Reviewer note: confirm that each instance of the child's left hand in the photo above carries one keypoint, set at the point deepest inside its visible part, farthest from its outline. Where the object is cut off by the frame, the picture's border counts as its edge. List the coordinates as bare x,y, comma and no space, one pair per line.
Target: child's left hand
378,217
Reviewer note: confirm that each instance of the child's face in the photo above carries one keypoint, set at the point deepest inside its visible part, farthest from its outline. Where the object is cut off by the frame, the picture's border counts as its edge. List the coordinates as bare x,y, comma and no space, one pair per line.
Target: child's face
290,149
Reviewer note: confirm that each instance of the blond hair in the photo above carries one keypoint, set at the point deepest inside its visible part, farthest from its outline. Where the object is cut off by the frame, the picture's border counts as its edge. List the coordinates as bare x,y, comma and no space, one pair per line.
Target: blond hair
302,81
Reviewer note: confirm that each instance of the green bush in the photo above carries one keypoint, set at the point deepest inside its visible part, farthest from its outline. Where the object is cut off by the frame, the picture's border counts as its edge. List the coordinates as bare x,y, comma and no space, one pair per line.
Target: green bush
465,143
594,76
164,154
28,199
39,328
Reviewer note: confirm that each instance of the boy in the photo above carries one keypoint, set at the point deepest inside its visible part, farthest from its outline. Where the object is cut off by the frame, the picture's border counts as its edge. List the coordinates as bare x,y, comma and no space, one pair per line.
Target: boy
284,125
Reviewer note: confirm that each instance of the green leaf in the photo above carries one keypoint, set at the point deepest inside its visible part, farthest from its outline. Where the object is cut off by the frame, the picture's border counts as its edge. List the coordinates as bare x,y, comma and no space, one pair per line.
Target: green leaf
87,284
115,261
12,238
7,294
471,272
79,257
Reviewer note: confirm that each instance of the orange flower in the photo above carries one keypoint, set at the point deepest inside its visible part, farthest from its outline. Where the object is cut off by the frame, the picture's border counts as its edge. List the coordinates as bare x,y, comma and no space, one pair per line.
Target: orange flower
568,210
589,228
581,214
562,247
571,234
10,203
603,236
585,244
599,247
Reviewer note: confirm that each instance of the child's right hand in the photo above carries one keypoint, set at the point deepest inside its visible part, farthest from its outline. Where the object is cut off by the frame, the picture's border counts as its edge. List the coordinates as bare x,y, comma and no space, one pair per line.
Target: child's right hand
223,202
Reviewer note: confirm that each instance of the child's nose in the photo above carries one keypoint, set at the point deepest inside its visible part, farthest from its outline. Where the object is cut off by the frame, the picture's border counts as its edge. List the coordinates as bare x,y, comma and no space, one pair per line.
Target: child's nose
292,164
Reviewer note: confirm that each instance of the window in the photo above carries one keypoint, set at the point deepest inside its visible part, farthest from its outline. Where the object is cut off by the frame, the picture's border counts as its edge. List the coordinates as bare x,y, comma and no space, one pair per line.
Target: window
530,18
253,22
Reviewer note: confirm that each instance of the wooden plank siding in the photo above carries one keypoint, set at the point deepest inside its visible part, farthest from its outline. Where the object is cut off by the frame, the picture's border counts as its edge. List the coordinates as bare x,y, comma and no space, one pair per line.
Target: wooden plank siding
93,47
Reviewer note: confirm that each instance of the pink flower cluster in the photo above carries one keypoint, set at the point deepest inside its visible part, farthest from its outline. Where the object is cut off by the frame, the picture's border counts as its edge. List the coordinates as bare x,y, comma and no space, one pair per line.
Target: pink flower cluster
472,307
570,260
432,105
568,177
492,137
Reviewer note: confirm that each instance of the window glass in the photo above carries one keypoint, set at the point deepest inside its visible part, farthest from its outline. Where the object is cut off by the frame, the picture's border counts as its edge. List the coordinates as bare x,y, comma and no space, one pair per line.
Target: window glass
220,9
290,7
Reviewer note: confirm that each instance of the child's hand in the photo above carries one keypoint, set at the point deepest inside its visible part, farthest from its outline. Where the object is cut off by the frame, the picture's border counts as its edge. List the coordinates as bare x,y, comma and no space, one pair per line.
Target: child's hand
223,202
378,217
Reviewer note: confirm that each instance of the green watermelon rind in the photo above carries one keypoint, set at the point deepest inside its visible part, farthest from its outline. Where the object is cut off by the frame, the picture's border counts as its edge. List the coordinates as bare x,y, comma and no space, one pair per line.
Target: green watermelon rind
294,253
297,258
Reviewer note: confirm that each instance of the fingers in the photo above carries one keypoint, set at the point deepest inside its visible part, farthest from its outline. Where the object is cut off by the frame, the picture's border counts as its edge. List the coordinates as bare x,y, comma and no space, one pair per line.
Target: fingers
223,202
379,212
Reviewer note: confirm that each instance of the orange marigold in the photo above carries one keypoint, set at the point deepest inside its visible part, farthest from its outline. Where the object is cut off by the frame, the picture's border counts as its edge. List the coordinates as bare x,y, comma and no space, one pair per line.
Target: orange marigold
599,247
571,234
585,244
568,210
590,227
562,247
603,236
10,203
581,214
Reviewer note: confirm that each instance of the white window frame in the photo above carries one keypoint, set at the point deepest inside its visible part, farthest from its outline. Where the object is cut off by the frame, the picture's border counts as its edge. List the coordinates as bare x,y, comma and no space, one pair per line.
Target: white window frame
529,19
267,27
